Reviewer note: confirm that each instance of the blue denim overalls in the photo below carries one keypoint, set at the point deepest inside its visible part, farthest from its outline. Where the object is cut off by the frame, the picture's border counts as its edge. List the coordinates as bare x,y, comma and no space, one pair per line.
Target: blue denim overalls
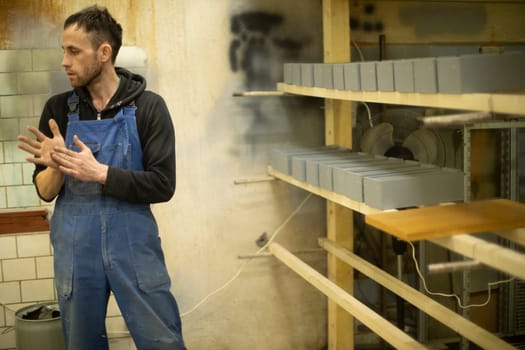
103,244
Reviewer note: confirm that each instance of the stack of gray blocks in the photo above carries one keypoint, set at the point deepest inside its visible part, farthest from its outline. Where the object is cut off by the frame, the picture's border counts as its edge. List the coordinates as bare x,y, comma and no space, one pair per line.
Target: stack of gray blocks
380,182
487,72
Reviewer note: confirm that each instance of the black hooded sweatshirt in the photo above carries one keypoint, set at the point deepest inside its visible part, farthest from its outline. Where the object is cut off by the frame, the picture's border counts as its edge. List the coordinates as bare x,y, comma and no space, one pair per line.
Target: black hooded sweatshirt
156,183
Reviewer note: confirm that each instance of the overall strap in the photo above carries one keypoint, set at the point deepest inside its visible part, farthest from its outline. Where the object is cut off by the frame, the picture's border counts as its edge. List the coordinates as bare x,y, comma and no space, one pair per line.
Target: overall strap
72,102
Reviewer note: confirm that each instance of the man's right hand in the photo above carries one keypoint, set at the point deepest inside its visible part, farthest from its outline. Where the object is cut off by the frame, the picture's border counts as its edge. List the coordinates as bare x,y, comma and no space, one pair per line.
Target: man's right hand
43,146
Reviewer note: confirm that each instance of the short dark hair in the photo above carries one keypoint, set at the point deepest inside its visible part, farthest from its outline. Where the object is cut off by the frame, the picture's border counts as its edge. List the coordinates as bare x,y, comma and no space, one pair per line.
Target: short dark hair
98,21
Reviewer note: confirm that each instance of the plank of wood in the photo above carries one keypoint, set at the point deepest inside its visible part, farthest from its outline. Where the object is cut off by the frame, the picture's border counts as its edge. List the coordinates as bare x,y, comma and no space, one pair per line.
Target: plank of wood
23,221
504,259
338,131
456,322
446,220
381,326
512,103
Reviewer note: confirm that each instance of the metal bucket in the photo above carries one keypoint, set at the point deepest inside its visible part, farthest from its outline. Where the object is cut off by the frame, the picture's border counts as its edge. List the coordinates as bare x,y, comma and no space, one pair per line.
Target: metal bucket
39,327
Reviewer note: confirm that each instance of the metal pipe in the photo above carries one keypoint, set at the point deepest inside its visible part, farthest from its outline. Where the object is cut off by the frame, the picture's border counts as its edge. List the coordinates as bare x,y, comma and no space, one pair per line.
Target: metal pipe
267,254
254,179
258,93
454,119
453,266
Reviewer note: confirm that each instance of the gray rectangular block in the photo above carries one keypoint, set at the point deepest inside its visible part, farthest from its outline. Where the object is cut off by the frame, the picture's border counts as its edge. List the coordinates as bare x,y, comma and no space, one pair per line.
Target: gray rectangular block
481,72
318,75
313,164
296,73
404,75
307,74
323,76
368,76
352,72
334,180
349,182
299,162
408,190
326,180
281,158
425,75
287,73
385,75
338,76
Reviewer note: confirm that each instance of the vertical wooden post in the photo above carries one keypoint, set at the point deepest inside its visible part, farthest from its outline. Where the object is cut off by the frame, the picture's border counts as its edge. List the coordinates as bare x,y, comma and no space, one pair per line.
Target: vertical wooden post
338,131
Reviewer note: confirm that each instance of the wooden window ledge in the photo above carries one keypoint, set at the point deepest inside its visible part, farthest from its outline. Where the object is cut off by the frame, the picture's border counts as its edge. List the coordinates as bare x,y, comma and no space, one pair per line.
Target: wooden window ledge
23,221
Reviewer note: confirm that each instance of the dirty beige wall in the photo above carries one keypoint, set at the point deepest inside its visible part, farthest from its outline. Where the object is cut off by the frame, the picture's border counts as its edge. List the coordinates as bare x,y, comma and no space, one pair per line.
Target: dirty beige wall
198,54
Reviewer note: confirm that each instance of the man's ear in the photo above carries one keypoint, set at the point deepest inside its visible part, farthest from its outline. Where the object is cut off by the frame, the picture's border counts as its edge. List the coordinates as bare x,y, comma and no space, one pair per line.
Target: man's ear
105,52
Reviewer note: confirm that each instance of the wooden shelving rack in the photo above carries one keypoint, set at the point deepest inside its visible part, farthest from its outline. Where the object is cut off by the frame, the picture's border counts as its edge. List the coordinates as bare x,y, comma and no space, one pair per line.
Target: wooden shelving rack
338,283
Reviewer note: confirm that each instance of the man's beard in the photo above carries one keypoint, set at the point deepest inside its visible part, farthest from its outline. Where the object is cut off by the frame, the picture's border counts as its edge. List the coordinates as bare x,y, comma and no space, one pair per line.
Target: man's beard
93,73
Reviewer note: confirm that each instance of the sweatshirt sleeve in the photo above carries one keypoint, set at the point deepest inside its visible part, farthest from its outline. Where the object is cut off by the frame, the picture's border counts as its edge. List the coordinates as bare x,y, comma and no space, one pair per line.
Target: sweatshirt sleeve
156,183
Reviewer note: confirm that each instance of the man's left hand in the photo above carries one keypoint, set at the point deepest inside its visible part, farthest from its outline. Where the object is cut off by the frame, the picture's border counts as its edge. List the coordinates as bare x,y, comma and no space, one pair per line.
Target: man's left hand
81,165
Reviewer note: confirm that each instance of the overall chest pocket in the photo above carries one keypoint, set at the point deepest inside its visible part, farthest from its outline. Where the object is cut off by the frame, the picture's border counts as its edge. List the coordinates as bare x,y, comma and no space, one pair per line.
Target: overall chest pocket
112,155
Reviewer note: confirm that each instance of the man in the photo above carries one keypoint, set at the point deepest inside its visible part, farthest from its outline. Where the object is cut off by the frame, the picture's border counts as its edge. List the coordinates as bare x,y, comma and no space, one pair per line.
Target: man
117,156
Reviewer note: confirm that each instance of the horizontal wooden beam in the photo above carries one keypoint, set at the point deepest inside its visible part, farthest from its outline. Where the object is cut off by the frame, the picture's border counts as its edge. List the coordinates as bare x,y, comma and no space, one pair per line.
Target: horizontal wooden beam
370,318
431,307
491,254
516,235
513,103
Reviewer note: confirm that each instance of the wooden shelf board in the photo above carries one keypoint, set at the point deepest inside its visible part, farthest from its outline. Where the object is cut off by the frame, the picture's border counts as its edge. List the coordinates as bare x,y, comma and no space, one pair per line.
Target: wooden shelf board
23,221
446,220
332,196
511,103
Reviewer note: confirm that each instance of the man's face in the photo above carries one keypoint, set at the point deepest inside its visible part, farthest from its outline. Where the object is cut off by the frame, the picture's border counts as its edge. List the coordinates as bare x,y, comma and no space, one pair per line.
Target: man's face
81,60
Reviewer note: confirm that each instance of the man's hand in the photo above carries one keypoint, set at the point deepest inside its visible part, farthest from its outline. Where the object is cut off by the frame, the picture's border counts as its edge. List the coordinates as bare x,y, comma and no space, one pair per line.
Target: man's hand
43,146
81,165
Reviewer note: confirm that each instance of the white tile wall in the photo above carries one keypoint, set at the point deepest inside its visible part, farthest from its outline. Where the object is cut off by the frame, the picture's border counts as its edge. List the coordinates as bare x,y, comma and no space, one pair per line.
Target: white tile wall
33,245
116,326
3,198
47,59
27,173
37,290
10,292
13,154
30,83
26,277
8,127
10,174
19,269
2,317
8,84
22,196
44,267
16,106
15,60
113,309
7,247
7,339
